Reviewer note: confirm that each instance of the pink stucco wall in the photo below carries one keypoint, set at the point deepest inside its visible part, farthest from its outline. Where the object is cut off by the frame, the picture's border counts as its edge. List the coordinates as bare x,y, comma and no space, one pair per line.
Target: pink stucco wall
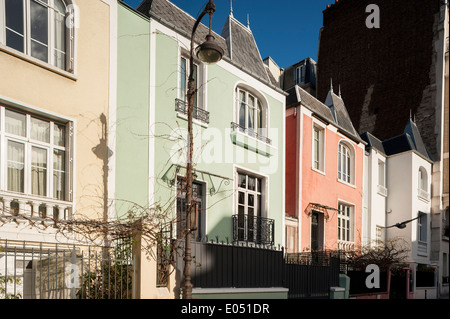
325,188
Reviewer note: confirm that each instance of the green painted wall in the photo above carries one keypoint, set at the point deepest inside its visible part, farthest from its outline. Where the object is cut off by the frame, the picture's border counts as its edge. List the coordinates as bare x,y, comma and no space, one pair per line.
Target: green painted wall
132,125
220,103
214,151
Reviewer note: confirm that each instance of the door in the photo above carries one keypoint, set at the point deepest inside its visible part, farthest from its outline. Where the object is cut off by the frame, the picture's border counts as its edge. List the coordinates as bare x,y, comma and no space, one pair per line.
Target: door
316,231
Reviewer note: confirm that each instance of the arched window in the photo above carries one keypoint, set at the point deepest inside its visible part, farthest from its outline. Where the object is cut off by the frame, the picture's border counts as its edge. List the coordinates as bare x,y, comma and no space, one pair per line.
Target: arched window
251,112
39,28
423,180
346,163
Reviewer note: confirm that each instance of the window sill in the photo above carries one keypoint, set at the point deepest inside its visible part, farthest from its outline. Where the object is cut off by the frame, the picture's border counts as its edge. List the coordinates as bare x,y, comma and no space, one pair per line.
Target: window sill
345,183
194,121
252,143
381,190
27,58
318,171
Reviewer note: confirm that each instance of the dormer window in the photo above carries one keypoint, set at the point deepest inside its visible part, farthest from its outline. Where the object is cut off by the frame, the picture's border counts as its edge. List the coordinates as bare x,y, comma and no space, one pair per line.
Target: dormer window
39,28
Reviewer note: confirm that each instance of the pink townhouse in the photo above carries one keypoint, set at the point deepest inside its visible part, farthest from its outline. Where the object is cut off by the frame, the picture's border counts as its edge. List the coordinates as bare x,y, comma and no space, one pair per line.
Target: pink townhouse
324,175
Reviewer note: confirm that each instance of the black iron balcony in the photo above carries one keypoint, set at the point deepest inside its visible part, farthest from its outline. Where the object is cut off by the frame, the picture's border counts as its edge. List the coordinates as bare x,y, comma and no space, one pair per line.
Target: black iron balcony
250,132
253,229
198,113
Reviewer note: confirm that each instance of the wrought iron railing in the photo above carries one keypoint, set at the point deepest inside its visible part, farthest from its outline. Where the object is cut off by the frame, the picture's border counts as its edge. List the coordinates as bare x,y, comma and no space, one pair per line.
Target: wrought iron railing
198,113
253,229
30,270
250,132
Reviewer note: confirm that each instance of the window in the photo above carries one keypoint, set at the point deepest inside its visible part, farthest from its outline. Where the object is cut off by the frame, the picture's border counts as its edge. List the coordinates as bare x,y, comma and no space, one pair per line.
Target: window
318,148
345,164
345,223
379,235
300,74
198,219
184,80
381,174
249,224
36,154
423,184
251,113
422,227
38,28
382,178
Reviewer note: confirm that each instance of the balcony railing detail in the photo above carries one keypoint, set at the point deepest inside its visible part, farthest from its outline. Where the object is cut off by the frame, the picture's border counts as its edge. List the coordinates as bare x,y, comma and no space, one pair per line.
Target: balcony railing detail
250,132
253,229
20,208
198,113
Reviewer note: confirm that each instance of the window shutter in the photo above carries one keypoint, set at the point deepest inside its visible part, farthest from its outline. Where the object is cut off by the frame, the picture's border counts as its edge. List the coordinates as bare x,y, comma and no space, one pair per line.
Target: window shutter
70,39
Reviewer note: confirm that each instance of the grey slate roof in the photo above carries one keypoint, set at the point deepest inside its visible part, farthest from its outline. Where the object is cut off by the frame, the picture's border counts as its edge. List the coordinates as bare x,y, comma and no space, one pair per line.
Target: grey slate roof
339,112
243,48
236,39
342,121
168,13
410,140
372,141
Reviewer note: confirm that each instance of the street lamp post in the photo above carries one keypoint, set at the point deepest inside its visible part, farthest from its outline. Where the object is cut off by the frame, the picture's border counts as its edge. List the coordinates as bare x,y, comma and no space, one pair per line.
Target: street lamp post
208,52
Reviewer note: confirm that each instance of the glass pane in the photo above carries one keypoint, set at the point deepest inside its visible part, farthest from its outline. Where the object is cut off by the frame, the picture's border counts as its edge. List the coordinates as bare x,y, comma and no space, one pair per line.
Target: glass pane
14,15
183,81
242,109
251,183
60,59
16,158
59,135
251,112
39,51
14,40
39,22
242,181
259,208
59,175
40,130
39,171
251,200
15,123
60,35
241,199
259,185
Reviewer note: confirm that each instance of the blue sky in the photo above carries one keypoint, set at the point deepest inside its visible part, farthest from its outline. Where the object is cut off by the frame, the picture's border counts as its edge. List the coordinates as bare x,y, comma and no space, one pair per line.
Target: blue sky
286,30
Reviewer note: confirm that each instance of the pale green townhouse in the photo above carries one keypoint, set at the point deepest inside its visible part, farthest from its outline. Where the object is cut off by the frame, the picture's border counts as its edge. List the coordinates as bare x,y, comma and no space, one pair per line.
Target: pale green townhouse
238,132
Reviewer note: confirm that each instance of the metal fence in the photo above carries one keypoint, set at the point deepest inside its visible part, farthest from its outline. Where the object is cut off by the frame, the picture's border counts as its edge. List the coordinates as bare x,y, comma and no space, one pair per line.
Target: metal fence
31,270
217,265
311,275
306,275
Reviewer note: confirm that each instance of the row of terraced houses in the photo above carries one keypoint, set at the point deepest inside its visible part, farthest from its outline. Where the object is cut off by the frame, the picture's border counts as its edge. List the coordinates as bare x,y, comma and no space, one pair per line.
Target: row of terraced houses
93,127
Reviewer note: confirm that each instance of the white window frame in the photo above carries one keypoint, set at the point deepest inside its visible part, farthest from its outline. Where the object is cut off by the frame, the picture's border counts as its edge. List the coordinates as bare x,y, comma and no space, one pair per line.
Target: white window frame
423,184
346,168
200,91
29,143
345,222
322,140
261,131
246,191
51,44
422,228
